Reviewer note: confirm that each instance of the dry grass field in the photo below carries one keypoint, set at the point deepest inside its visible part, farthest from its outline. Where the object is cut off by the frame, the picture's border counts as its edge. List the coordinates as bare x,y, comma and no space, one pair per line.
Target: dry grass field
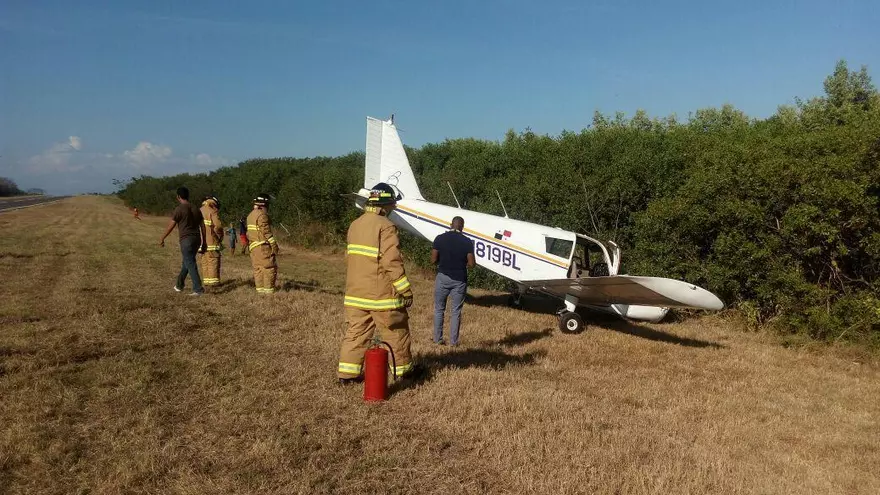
110,382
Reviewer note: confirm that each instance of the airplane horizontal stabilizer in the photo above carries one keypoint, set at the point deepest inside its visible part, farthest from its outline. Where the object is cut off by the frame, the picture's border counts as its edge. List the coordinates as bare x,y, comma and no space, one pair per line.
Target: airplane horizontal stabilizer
626,289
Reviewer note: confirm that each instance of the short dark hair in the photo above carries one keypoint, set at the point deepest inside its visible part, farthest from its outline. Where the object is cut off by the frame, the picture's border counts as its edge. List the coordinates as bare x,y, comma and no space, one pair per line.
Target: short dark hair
457,221
183,193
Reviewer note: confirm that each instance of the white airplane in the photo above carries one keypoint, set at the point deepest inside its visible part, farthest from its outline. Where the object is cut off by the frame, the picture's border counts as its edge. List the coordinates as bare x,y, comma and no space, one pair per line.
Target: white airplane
579,270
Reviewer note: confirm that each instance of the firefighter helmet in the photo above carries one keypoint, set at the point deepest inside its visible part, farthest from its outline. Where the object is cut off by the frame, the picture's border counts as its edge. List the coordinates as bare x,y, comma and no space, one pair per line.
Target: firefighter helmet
382,194
212,198
262,199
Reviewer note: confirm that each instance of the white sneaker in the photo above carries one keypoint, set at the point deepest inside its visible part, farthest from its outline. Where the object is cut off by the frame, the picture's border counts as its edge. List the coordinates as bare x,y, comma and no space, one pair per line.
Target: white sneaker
196,293
177,290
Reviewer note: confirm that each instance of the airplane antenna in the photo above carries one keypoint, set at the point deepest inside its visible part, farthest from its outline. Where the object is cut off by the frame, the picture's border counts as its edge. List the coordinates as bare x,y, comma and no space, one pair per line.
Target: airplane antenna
453,194
502,204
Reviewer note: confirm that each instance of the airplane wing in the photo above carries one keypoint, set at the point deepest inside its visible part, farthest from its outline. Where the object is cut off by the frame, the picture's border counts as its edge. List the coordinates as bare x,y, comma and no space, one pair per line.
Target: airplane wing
626,289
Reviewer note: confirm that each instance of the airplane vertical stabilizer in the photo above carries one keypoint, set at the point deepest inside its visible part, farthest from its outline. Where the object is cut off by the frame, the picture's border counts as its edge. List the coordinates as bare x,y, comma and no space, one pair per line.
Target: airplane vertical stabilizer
387,161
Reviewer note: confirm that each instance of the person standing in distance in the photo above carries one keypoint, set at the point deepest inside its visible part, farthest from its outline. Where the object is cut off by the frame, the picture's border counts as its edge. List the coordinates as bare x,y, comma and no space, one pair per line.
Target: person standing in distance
453,253
191,227
232,238
242,235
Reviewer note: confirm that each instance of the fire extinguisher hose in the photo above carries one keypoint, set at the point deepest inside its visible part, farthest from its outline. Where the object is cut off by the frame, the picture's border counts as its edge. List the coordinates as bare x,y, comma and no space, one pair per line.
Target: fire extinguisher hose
393,362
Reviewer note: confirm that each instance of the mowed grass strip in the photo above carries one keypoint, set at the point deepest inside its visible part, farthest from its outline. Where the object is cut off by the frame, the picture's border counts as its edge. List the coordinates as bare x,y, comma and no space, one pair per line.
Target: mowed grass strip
111,382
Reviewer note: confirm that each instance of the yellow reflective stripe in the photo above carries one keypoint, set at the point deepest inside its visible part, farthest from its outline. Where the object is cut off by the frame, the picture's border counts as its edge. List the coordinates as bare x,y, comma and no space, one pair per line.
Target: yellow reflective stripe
403,368
209,223
378,304
401,284
209,281
366,249
272,240
362,253
253,227
213,247
268,290
256,243
350,368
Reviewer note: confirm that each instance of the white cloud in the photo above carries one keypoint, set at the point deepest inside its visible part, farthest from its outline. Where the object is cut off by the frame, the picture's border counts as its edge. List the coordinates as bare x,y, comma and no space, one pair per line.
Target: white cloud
65,167
56,158
147,153
204,160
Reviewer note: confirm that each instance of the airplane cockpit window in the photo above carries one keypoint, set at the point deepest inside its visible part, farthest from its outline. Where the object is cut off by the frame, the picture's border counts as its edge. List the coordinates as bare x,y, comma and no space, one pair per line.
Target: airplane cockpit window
559,247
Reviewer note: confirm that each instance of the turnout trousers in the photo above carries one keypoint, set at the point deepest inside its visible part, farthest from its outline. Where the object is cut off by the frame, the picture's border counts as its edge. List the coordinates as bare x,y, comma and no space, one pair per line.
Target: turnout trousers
209,267
393,328
265,268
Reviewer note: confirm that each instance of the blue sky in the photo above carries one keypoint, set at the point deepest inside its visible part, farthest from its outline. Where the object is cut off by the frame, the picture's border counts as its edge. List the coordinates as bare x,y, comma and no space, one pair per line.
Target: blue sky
95,90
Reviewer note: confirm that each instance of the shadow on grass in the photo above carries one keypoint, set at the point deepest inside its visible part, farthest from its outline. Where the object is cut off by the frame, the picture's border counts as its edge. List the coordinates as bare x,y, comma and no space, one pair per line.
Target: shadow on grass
432,362
227,286
309,286
546,305
520,339
641,331
530,302
230,285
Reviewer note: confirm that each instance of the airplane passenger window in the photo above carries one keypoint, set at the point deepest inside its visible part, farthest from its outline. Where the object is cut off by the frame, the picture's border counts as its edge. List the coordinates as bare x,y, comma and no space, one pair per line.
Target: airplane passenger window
559,247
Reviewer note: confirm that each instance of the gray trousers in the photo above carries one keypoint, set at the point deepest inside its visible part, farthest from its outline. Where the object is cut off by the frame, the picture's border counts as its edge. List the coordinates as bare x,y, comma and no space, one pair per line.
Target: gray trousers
443,287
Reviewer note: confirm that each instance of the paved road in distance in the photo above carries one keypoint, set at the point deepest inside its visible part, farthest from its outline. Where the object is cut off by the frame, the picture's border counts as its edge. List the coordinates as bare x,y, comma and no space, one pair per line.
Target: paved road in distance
15,203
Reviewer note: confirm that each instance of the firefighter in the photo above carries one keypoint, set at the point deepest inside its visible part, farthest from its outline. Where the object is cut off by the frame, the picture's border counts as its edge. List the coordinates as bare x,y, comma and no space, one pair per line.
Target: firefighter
209,261
262,245
137,214
377,291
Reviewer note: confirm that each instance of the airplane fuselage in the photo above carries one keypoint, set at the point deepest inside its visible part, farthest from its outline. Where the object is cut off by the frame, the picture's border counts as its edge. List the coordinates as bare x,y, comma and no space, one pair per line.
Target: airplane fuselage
518,250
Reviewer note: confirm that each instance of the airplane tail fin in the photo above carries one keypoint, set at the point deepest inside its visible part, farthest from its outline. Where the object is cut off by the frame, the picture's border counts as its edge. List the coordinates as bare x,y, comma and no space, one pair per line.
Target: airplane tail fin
387,161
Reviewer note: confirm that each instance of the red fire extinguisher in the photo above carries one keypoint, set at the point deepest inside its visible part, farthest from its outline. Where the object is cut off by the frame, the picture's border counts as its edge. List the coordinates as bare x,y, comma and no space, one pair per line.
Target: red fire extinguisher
376,371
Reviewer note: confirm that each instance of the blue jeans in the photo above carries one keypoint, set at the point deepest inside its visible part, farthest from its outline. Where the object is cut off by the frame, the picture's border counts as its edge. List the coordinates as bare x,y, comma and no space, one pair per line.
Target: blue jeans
442,289
189,246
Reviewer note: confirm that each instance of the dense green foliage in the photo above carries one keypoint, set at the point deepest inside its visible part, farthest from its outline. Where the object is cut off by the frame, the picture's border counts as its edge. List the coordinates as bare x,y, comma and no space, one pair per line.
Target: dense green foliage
9,188
778,216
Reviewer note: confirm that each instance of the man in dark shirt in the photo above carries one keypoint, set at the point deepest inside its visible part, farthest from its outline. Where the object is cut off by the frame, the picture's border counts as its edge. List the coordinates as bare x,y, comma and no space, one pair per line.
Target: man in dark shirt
453,253
191,227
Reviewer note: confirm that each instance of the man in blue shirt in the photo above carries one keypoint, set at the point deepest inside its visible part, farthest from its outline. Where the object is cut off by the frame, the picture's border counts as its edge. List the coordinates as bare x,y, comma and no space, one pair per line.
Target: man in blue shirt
453,253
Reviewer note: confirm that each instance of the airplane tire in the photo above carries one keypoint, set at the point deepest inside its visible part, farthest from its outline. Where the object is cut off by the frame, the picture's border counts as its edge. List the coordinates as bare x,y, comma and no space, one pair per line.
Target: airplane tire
570,322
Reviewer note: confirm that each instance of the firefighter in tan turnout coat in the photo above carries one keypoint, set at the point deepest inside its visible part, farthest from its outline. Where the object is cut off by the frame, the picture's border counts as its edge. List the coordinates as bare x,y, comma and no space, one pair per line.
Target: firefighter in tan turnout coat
262,245
377,291
209,261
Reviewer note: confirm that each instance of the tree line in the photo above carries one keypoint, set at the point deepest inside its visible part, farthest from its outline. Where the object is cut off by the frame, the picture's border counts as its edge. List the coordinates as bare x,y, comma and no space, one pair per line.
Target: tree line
8,187
779,216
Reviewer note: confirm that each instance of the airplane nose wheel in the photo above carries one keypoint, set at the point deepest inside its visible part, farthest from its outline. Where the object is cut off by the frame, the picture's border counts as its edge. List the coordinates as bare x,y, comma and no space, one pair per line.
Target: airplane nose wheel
570,322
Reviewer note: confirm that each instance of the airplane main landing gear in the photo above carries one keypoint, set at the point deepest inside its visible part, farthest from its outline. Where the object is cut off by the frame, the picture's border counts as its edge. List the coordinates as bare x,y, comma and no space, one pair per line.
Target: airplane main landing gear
570,322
